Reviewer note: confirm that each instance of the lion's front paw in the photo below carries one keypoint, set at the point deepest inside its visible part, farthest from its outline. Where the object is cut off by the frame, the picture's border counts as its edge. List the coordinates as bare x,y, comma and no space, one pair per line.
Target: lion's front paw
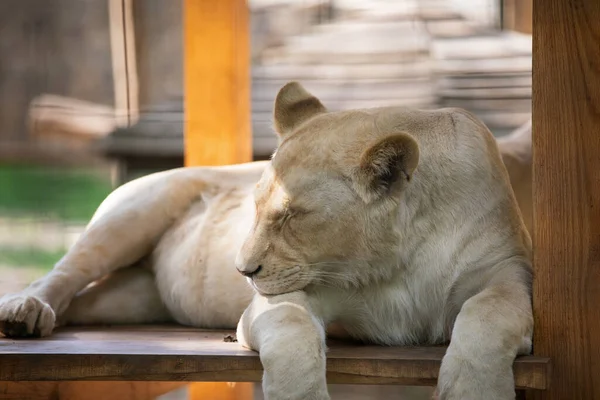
25,316
463,379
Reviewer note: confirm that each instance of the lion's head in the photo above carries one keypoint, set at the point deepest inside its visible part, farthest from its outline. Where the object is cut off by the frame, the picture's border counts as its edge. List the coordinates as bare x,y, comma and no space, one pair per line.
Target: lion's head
327,196
349,196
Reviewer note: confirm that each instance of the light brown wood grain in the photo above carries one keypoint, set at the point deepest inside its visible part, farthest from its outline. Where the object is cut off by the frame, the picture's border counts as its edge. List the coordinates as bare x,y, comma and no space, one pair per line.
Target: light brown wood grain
566,177
167,353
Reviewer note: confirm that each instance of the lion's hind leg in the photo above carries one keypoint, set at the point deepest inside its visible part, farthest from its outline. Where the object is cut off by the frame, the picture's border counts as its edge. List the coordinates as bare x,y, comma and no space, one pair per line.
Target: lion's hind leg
126,227
127,296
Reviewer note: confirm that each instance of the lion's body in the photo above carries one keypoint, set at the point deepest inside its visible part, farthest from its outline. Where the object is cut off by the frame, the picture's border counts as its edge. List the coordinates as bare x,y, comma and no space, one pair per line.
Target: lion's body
164,247
204,214
193,261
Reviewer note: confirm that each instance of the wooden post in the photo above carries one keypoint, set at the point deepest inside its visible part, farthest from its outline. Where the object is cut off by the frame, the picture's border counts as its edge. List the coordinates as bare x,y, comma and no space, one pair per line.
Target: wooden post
122,44
566,178
217,110
217,82
517,15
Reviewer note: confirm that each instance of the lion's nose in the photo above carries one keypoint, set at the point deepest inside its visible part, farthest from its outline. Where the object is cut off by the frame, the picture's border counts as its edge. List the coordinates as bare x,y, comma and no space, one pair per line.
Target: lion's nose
249,270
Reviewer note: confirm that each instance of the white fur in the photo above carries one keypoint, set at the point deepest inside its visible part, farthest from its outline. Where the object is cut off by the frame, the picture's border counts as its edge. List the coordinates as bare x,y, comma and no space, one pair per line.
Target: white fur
445,256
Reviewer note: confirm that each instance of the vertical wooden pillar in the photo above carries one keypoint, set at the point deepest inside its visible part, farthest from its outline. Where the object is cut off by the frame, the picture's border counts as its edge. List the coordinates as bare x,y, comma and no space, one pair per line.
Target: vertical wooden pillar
217,109
566,178
217,82
125,78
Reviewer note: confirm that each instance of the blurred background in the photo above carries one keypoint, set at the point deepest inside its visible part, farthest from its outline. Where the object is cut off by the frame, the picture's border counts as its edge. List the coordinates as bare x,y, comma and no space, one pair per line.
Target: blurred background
91,96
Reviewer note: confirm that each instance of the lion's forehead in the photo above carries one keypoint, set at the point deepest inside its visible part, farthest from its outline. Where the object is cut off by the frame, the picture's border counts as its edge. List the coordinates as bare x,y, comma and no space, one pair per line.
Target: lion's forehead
279,197
302,188
335,141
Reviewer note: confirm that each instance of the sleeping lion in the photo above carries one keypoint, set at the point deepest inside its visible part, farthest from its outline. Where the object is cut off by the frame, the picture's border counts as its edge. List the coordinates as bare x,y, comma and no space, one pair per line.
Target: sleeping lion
395,226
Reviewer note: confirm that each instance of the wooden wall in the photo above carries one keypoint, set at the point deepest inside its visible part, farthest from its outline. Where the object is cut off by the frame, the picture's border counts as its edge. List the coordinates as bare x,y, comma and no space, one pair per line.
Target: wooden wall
566,181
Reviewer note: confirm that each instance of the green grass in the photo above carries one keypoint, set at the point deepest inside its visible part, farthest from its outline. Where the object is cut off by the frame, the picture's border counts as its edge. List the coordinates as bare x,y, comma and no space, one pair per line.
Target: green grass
59,193
34,192
30,257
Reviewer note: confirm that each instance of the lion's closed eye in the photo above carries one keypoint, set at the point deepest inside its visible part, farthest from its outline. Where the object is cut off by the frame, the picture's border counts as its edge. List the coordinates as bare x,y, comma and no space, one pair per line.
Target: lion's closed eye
284,217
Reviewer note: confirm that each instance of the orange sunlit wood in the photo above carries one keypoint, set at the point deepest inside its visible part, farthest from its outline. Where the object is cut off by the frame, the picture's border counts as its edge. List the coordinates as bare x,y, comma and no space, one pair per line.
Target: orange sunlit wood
217,110
217,82
221,391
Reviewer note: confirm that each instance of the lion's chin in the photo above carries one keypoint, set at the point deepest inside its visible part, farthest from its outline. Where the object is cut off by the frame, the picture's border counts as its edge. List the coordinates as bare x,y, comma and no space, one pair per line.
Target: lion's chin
274,288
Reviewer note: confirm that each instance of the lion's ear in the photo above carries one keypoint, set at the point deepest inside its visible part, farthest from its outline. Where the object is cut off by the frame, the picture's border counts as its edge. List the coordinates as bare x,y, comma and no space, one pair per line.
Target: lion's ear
386,166
293,106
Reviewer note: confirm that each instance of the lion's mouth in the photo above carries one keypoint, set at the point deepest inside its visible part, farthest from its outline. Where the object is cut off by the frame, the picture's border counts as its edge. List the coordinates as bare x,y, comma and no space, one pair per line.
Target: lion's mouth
290,281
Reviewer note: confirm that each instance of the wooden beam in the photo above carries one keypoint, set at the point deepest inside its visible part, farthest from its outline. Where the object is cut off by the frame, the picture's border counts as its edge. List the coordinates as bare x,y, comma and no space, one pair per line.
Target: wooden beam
175,353
75,119
217,128
217,82
566,179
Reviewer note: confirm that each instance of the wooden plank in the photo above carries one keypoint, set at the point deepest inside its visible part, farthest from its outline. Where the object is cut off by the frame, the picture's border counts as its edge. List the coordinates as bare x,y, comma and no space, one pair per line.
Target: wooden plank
76,119
165,353
566,177
217,82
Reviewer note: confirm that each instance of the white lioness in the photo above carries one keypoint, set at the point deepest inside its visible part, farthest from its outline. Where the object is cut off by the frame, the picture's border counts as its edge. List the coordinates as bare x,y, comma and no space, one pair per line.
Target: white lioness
516,153
399,226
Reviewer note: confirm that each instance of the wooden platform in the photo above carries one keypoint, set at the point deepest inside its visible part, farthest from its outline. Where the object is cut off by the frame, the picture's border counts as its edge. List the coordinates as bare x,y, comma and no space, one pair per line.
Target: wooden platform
172,353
